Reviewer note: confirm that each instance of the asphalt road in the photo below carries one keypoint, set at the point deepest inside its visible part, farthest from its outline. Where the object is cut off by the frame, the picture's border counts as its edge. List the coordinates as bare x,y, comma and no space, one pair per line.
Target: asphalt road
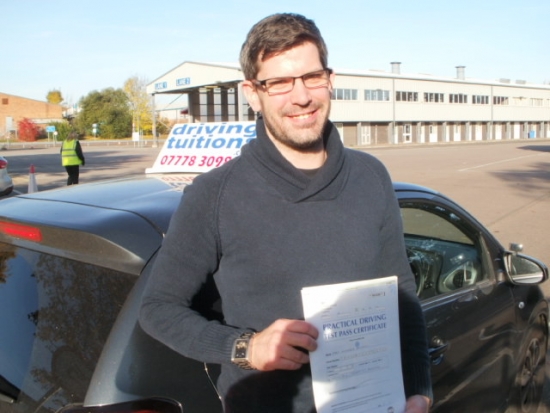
506,185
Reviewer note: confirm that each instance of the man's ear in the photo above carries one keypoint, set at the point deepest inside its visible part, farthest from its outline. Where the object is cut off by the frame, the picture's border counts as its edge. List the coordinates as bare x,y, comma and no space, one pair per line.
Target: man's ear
251,94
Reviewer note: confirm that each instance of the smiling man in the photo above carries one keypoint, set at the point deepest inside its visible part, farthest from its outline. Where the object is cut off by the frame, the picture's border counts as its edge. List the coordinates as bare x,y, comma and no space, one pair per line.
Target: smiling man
296,209
295,107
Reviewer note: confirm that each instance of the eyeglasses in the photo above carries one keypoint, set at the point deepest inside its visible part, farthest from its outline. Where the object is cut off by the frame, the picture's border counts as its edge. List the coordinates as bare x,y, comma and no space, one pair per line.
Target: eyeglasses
281,85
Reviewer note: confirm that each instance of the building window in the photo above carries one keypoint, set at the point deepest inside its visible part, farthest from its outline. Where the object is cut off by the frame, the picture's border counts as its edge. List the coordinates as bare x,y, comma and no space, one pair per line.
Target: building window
500,100
480,99
5,101
377,94
536,102
215,105
458,98
344,94
519,101
406,96
434,97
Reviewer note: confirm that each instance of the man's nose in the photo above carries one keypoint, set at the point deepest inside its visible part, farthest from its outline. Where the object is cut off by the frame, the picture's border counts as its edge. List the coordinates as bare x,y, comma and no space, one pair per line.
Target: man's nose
300,94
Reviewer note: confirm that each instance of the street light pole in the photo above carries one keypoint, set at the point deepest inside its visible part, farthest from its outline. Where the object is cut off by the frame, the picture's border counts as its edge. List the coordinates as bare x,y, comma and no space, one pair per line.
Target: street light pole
155,138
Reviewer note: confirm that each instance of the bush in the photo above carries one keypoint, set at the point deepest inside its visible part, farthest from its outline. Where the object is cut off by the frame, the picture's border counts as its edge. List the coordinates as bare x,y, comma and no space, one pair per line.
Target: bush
28,130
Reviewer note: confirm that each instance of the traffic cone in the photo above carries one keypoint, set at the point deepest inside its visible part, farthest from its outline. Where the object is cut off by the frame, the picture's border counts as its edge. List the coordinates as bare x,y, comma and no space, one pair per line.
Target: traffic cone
32,181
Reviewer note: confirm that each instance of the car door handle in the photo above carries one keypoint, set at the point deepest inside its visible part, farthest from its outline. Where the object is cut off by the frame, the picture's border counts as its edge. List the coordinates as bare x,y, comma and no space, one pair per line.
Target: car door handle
437,349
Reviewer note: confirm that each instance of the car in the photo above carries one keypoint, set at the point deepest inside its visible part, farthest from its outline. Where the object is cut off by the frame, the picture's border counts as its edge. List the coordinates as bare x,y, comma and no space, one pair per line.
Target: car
6,183
74,263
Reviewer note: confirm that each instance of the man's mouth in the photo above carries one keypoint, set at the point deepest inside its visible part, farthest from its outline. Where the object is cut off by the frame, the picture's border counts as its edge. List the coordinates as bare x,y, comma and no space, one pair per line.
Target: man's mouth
301,116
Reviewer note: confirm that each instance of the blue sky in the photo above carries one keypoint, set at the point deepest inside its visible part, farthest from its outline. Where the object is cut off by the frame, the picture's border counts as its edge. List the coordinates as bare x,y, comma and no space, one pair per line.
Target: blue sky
79,46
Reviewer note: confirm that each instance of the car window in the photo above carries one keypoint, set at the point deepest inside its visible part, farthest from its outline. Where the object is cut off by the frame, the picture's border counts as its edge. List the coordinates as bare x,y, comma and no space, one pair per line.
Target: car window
55,315
444,250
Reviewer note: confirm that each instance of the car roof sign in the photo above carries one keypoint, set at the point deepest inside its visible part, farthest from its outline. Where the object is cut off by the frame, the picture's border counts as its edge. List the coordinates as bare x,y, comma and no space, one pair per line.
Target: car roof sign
200,147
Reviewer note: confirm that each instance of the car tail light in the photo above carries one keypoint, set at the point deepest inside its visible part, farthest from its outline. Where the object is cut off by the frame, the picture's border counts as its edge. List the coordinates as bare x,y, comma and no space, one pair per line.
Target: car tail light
3,164
154,405
26,232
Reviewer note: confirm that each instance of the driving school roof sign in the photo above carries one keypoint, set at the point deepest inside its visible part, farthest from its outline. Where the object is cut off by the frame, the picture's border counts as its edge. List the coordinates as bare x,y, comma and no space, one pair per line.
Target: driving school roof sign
199,147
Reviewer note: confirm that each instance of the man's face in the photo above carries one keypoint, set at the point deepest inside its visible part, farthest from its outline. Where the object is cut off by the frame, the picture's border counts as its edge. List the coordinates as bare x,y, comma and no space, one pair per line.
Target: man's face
295,119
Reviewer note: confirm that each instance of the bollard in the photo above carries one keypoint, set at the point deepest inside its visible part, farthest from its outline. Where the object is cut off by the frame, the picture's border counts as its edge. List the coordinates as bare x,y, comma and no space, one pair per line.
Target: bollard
33,187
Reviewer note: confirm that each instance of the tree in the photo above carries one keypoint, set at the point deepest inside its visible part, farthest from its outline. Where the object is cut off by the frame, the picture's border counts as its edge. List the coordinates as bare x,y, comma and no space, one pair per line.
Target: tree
140,104
164,125
62,128
28,130
109,110
54,96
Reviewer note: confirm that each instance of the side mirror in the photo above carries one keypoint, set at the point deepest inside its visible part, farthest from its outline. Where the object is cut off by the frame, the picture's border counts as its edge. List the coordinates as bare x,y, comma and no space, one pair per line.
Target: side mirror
514,247
522,269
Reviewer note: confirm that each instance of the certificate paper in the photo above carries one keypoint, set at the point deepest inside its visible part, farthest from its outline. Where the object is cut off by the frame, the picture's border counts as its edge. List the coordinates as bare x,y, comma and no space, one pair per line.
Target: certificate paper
357,364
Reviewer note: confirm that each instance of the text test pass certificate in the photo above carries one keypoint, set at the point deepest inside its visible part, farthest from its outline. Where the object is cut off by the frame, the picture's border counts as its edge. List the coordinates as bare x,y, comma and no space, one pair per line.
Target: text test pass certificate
357,365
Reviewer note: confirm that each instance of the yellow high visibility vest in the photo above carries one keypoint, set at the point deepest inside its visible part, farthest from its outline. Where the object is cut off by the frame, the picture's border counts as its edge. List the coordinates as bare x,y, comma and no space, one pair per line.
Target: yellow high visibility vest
68,153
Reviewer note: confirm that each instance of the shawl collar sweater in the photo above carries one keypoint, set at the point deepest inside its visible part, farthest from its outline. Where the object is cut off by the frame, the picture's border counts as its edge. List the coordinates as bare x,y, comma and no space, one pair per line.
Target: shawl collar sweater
261,230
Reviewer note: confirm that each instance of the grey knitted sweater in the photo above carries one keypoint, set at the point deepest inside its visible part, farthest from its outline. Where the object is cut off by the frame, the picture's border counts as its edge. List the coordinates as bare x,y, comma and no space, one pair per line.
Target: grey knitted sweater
264,230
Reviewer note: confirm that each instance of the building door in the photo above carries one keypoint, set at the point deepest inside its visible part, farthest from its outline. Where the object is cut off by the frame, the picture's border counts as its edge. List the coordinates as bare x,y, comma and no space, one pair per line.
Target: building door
432,130
498,132
478,132
516,131
340,129
364,138
456,132
407,133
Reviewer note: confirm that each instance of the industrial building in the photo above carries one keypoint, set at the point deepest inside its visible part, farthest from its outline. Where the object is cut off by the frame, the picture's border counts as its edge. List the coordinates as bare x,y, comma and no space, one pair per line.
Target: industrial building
377,107
14,108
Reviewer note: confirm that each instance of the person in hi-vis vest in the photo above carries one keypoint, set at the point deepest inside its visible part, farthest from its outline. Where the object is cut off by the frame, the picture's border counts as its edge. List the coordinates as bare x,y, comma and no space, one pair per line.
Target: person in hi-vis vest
72,157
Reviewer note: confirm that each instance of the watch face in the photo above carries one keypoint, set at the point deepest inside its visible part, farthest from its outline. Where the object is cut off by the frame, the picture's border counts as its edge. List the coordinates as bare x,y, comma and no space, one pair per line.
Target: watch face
241,348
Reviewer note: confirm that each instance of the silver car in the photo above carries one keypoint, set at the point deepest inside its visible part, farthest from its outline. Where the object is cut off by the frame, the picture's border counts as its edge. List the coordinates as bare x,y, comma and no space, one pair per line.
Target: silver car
6,183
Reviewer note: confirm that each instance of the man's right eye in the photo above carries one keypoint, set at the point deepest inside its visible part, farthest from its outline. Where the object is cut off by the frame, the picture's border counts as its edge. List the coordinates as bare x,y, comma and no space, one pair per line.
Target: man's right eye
276,83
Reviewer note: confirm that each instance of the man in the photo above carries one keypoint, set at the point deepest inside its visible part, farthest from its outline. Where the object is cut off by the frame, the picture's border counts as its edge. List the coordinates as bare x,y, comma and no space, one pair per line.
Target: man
295,209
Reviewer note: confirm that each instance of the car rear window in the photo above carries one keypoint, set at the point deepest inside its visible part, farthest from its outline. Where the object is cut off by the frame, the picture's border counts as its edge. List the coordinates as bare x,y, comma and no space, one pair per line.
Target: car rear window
55,315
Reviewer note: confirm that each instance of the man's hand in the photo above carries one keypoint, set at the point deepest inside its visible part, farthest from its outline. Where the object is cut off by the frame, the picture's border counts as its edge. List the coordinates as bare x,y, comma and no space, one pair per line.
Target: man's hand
417,404
281,345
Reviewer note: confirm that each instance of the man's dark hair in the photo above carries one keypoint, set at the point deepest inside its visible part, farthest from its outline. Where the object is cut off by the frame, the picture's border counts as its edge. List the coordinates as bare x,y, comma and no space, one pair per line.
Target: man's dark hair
276,34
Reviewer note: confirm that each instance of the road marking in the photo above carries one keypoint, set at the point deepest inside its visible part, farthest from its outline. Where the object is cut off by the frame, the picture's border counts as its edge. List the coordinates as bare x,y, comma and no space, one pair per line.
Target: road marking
495,163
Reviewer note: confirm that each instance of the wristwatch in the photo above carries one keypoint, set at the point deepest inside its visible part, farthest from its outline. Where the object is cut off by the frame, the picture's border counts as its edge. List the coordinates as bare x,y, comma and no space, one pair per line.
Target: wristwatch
239,354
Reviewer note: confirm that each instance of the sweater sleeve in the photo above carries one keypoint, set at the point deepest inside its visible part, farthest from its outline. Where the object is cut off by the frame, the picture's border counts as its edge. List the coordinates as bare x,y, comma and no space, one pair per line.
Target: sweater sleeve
414,356
185,263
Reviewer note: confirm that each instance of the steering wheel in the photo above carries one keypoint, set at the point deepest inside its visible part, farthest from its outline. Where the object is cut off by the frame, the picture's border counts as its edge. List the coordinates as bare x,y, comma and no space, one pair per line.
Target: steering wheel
461,276
416,261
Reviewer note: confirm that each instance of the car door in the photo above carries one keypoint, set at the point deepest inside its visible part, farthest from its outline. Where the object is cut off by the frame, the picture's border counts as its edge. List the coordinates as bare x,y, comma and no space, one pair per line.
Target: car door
469,314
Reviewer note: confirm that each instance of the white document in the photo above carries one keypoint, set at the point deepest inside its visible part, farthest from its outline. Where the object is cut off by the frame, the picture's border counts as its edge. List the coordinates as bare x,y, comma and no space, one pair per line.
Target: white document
357,365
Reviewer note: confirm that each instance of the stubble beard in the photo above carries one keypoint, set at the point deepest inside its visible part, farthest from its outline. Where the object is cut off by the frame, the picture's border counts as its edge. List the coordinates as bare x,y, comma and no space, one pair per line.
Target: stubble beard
308,139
